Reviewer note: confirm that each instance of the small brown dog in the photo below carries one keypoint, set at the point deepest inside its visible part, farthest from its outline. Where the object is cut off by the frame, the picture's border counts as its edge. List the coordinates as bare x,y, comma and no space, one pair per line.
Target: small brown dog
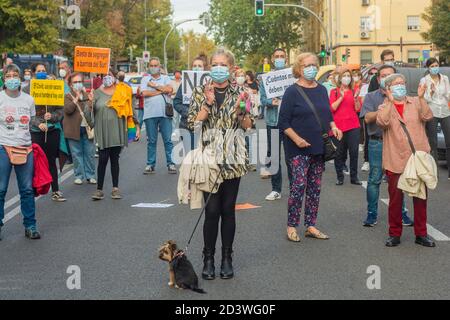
181,272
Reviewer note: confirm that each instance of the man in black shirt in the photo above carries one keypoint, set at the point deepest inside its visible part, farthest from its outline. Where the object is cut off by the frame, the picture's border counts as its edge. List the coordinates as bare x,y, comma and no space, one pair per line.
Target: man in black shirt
387,58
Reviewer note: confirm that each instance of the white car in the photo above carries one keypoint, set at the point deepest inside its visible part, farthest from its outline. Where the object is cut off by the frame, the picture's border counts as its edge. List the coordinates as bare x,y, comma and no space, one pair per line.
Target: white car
134,80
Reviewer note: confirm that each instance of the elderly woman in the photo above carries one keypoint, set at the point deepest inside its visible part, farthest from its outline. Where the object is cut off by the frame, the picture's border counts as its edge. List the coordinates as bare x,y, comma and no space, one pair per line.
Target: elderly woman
413,113
75,130
305,145
215,107
15,133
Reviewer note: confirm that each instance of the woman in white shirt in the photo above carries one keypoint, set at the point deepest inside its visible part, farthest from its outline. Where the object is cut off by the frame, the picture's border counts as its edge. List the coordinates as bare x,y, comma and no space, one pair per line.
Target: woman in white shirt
437,96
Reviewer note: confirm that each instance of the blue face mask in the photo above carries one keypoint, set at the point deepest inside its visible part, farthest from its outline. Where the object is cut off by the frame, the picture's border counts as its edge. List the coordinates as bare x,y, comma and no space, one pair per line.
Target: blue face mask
279,63
434,71
78,86
310,72
383,84
197,69
220,74
12,84
154,70
399,92
41,75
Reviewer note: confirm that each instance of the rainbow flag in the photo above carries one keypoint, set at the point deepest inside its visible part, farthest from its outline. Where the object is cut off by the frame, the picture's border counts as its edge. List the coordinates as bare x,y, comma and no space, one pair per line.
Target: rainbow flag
131,129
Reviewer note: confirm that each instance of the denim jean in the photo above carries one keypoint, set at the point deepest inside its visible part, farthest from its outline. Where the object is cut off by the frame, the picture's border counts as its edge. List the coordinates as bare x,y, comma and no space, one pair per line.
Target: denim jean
276,178
140,117
24,174
375,178
164,125
83,155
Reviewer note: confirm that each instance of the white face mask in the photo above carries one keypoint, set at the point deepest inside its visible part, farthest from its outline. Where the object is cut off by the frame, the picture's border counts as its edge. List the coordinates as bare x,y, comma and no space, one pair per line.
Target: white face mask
356,78
240,80
346,81
62,73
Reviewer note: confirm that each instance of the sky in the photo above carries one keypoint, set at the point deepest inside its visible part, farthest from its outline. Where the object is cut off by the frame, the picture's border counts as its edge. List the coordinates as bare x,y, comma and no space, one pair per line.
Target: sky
189,9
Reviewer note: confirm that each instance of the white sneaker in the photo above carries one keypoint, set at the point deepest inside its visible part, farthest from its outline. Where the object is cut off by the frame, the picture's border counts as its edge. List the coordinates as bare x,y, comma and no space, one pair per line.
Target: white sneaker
365,167
361,148
273,196
78,181
92,181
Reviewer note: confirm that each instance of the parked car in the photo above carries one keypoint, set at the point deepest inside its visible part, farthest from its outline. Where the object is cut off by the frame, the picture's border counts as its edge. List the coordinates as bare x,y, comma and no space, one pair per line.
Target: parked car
134,80
441,143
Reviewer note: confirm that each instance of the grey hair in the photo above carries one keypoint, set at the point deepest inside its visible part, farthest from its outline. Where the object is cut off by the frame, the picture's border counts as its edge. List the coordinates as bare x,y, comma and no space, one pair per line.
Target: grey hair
156,59
11,67
224,52
388,80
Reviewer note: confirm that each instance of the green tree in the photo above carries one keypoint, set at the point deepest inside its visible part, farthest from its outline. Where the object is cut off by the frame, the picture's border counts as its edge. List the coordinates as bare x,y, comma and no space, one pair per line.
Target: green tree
438,16
234,24
29,26
195,44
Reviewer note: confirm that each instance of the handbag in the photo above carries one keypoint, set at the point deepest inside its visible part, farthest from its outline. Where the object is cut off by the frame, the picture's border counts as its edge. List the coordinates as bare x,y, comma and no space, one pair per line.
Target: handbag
169,108
90,131
329,149
17,155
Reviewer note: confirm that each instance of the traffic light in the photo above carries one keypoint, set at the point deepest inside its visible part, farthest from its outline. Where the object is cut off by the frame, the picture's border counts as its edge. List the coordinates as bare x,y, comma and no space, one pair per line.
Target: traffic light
259,8
344,57
347,52
323,52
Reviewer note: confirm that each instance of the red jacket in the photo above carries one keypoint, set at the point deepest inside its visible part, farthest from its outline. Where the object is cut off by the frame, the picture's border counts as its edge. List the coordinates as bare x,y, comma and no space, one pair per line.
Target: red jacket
42,178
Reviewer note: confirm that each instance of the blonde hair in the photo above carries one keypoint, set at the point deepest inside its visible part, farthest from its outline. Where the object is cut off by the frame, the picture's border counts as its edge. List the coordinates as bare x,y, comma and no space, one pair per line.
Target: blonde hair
341,73
224,52
298,64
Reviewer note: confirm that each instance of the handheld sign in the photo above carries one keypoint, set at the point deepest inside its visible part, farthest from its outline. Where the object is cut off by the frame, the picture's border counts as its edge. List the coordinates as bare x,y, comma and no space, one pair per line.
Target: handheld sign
276,82
91,59
47,92
266,68
190,80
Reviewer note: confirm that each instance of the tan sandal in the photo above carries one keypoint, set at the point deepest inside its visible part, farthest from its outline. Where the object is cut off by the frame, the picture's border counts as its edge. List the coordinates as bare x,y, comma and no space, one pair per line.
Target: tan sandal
316,235
293,236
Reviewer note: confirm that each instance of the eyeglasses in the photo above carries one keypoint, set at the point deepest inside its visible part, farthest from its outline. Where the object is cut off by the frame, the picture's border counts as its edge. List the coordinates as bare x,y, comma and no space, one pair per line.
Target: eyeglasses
77,82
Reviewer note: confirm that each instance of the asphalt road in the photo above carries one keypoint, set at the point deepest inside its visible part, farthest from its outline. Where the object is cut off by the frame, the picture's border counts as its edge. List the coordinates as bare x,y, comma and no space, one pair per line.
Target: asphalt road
115,245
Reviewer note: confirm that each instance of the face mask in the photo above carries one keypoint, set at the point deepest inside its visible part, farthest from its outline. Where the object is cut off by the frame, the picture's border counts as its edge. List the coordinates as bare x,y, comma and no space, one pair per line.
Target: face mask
383,83
154,70
356,79
434,71
12,84
399,92
220,74
62,73
78,86
27,78
197,69
279,63
108,81
310,73
389,63
41,75
240,80
346,81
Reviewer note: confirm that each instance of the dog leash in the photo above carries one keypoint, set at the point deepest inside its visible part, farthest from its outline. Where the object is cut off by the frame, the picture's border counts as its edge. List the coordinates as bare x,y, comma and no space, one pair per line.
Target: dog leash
203,210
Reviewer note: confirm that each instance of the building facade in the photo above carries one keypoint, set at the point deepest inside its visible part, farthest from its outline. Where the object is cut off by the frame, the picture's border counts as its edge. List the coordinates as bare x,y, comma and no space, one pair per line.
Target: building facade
361,29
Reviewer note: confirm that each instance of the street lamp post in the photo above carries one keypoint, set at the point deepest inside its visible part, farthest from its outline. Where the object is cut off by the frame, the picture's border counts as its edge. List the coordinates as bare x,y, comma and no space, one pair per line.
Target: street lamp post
330,49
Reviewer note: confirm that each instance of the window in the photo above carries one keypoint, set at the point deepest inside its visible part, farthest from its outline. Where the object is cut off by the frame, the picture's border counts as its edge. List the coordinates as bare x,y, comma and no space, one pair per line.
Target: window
413,56
366,57
366,24
413,23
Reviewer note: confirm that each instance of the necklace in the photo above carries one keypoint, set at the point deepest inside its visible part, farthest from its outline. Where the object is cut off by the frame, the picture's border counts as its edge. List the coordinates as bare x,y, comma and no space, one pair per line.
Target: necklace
218,91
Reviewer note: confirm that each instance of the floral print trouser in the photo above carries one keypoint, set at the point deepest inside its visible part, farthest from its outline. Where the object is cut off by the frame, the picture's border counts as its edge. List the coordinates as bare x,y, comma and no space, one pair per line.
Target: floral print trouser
306,174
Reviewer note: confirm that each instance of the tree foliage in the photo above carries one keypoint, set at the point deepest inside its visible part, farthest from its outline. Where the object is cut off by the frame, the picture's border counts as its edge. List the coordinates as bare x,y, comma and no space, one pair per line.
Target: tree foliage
28,26
234,24
438,16
193,45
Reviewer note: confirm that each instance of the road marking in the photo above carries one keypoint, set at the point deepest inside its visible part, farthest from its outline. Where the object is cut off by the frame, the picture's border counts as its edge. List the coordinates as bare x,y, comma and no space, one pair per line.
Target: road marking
432,231
16,210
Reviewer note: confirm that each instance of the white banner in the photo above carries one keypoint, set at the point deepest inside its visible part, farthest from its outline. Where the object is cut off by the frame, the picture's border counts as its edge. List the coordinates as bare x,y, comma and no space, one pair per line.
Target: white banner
190,80
276,82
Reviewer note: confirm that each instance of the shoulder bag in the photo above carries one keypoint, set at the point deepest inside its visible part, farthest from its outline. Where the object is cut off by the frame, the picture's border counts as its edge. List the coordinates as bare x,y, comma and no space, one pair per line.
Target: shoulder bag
329,149
89,130
169,107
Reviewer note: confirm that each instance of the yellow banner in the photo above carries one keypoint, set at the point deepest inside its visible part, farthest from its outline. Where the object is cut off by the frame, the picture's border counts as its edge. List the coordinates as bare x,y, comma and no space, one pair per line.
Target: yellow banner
48,92
266,68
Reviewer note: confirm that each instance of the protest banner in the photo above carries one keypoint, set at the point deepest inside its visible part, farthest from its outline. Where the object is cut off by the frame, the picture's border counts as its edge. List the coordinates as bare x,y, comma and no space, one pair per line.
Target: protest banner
91,59
47,92
276,82
190,80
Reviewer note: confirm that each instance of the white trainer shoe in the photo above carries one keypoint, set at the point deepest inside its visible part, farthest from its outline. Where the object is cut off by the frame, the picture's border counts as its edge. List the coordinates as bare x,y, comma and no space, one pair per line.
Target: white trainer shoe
78,181
365,167
273,196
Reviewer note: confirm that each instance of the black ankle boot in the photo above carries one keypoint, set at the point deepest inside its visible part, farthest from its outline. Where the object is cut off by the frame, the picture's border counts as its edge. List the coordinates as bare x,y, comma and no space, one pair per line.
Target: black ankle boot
209,272
226,269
